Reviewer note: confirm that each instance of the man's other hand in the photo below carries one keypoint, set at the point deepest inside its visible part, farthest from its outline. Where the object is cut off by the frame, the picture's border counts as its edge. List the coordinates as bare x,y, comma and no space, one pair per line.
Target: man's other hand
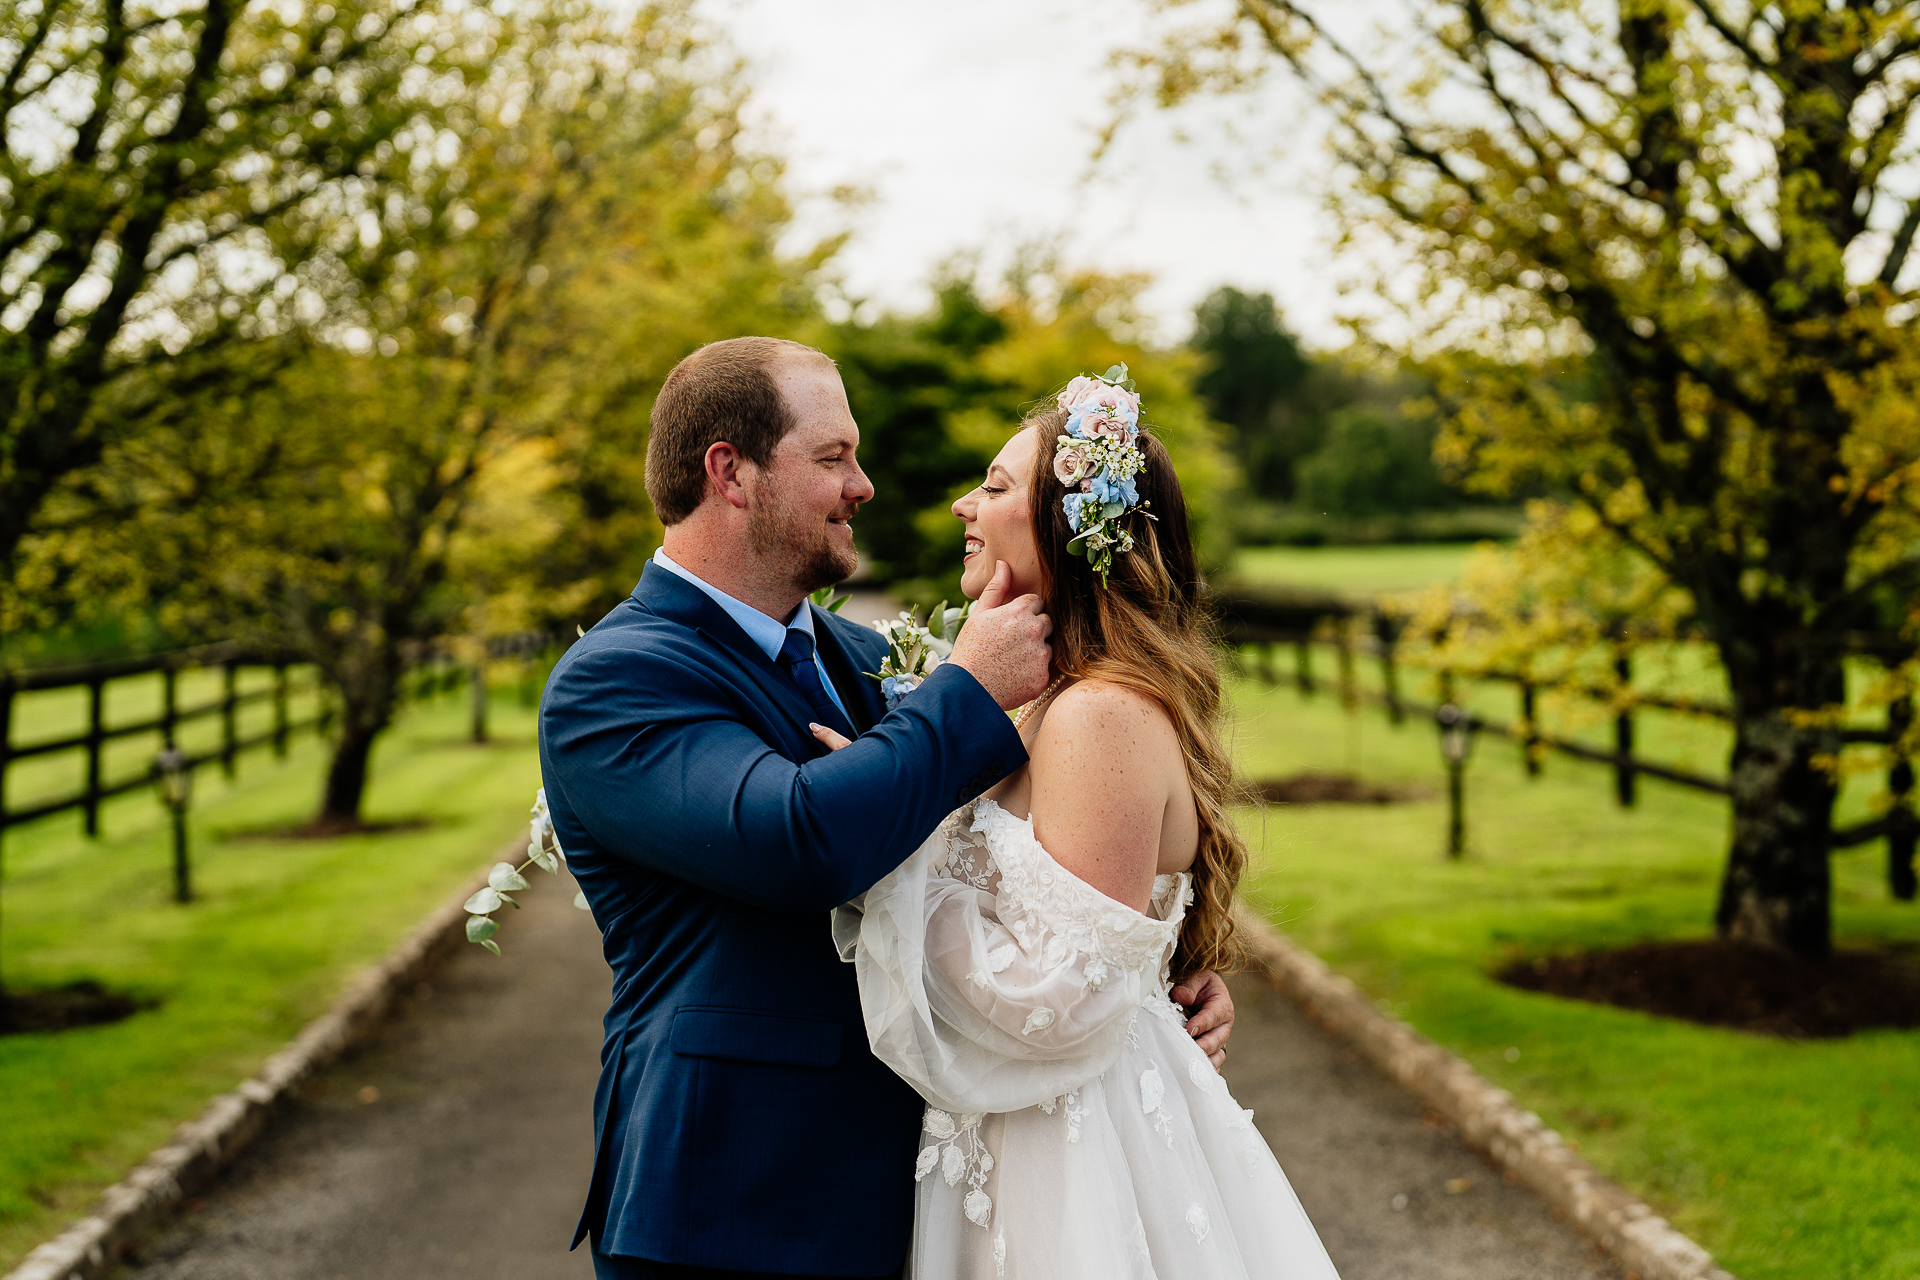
1209,1012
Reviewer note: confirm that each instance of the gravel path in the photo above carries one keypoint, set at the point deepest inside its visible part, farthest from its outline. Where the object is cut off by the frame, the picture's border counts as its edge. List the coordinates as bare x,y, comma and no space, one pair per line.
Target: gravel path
458,1143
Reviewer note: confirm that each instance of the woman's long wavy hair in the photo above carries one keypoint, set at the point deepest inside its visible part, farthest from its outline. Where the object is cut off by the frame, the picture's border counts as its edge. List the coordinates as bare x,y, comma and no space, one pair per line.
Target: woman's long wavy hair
1149,630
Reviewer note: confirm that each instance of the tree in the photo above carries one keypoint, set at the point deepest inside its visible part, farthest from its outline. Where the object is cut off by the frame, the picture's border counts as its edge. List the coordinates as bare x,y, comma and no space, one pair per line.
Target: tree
167,173
1254,376
1370,463
581,219
1693,211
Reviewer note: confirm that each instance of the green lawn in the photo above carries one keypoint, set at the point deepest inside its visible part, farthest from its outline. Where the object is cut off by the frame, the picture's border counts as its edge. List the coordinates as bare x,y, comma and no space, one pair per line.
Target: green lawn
1353,570
280,926
1787,1161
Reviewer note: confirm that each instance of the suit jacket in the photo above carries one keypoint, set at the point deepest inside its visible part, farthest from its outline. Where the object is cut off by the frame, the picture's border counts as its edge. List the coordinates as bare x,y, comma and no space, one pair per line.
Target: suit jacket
741,1120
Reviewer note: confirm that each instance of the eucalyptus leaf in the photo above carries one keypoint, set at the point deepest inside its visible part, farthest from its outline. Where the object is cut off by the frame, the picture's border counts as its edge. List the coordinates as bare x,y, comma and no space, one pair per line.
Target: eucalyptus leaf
510,902
1076,548
480,928
580,900
503,877
486,900
544,859
490,945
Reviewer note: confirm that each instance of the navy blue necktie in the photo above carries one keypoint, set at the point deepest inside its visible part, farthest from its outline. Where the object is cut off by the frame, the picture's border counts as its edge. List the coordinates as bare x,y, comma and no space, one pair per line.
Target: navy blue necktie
796,655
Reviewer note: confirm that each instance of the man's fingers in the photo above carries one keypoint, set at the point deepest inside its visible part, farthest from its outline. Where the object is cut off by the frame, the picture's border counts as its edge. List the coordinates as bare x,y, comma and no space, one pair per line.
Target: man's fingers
833,740
1214,1041
996,592
1218,1058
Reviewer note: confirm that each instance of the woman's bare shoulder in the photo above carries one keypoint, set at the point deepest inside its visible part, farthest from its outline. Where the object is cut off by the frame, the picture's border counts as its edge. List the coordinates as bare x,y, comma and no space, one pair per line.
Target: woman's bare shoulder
1107,710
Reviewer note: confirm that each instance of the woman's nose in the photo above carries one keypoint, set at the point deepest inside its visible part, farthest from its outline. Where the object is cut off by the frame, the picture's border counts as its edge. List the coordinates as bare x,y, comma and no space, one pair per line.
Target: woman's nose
963,506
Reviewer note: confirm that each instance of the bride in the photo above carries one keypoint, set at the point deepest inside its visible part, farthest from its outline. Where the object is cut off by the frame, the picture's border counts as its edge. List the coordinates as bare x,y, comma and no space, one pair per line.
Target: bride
1015,969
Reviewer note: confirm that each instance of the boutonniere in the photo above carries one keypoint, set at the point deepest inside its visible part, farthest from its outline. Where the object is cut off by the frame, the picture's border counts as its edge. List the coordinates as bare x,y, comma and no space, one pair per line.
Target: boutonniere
915,648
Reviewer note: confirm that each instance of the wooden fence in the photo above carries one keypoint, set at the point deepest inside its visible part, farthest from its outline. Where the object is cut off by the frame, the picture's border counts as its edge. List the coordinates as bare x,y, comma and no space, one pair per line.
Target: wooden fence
1260,626
434,673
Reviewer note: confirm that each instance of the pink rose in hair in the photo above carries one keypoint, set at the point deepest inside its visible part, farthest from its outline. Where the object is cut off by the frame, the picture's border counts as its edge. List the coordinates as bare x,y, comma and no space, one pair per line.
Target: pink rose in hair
1072,463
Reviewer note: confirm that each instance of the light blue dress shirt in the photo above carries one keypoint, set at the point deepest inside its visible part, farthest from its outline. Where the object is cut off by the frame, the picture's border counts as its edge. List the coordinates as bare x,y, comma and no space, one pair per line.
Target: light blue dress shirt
763,629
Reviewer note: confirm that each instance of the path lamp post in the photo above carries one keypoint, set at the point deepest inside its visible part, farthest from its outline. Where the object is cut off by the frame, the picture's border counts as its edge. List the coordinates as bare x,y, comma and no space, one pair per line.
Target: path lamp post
174,776
1456,744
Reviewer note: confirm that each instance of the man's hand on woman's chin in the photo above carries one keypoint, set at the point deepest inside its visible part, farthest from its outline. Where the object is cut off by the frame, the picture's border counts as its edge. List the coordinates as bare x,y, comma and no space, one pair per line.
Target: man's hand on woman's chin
1210,1012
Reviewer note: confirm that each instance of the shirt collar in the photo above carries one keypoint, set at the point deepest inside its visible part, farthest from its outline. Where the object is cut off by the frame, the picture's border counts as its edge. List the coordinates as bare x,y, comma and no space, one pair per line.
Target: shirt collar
764,630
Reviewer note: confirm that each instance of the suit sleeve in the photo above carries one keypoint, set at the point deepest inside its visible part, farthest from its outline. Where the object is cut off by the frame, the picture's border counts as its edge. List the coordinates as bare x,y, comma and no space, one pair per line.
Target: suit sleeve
656,765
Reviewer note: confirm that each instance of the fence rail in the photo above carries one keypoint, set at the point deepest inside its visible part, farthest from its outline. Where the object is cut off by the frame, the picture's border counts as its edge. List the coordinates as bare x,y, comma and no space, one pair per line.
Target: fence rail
229,659
1261,622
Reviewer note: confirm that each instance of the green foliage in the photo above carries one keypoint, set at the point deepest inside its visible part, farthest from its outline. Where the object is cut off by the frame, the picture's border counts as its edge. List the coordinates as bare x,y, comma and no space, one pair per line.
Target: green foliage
1656,259
1371,463
1255,381
936,396
178,177
460,455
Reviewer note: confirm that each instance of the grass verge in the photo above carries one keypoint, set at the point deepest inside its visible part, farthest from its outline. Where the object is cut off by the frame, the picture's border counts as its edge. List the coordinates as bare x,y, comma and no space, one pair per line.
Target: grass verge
279,926
1360,571
1789,1161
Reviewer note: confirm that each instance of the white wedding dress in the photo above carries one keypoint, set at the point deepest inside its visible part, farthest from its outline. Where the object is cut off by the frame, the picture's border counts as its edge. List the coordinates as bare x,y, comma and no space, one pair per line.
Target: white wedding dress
1074,1131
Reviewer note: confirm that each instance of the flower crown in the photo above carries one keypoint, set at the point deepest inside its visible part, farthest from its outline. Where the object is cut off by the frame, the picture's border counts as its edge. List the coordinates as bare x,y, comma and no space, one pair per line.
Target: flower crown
1097,460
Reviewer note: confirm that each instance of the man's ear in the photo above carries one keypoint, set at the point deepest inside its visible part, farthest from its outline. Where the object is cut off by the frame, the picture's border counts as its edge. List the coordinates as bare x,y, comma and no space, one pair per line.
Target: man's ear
725,468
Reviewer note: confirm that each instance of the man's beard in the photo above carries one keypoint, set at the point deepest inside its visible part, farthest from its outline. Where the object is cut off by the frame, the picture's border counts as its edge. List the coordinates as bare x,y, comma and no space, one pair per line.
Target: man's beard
818,564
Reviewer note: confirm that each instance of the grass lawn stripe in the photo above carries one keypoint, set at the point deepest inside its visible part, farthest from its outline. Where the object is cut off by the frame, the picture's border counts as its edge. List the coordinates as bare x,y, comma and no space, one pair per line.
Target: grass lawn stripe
1789,1161
280,926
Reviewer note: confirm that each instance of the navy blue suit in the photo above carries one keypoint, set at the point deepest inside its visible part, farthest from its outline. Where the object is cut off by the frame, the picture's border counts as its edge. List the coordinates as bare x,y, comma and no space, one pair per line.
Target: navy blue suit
741,1120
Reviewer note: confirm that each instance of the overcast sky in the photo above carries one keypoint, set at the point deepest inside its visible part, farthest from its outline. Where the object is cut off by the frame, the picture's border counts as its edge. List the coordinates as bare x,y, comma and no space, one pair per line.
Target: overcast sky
973,124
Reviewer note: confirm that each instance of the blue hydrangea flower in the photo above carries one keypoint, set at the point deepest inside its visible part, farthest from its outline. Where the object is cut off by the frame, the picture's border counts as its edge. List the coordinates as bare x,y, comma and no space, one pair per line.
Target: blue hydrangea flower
1073,502
894,688
1107,489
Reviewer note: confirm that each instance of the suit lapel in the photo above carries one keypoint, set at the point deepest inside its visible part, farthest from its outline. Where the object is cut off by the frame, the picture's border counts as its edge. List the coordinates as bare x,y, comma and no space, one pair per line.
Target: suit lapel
847,668
669,596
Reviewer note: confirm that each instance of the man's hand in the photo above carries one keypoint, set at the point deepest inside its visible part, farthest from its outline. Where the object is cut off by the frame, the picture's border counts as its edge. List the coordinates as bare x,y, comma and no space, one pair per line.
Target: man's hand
1004,644
1209,1012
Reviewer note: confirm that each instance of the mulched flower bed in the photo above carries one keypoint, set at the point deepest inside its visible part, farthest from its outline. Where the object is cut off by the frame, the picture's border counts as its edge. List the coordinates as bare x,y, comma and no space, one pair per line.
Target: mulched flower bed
1748,988
1331,788
79,1004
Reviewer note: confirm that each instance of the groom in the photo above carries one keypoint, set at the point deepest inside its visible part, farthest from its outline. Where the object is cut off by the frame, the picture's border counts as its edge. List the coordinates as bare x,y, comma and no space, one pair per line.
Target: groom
743,1126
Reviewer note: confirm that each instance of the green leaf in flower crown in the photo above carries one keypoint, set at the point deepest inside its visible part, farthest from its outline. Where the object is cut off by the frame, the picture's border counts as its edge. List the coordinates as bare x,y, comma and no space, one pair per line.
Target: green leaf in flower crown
543,858
480,928
503,877
1112,509
486,900
1076,548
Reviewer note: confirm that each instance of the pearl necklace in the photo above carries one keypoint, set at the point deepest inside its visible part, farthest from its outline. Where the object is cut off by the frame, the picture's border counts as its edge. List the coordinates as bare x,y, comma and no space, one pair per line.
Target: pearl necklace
1020,716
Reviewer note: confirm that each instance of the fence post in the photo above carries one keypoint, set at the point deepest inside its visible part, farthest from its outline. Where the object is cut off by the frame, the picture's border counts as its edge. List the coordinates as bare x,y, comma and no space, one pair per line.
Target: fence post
6,757
1349,686
1303,664
229,730
96,689
477,686
1530,743
1387,634
280,710
1623,775
1902,825
169,704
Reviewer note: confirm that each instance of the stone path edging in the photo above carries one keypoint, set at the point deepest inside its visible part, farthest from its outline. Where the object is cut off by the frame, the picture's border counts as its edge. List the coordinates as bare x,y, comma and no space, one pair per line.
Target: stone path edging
1487,1118
201,1147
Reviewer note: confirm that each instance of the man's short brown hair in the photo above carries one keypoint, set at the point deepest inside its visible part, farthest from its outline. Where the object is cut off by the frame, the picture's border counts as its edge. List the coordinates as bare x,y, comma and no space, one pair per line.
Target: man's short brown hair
723,391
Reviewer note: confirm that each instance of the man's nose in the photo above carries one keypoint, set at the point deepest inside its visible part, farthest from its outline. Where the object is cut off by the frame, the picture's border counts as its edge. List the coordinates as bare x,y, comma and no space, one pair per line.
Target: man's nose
859,488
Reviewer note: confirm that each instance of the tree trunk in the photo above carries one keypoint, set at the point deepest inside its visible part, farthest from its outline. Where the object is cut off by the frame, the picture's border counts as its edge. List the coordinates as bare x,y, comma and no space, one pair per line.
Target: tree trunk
368,680
1777,891
347,777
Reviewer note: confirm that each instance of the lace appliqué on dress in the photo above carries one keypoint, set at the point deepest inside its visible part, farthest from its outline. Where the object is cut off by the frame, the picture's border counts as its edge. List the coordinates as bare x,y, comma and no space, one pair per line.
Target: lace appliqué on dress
959,1154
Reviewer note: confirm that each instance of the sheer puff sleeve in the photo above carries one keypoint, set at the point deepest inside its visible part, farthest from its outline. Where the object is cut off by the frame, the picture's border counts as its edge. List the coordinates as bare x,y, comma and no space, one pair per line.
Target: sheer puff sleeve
992,978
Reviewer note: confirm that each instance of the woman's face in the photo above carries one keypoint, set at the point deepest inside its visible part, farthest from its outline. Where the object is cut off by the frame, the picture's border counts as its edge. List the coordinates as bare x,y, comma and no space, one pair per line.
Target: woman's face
999,523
